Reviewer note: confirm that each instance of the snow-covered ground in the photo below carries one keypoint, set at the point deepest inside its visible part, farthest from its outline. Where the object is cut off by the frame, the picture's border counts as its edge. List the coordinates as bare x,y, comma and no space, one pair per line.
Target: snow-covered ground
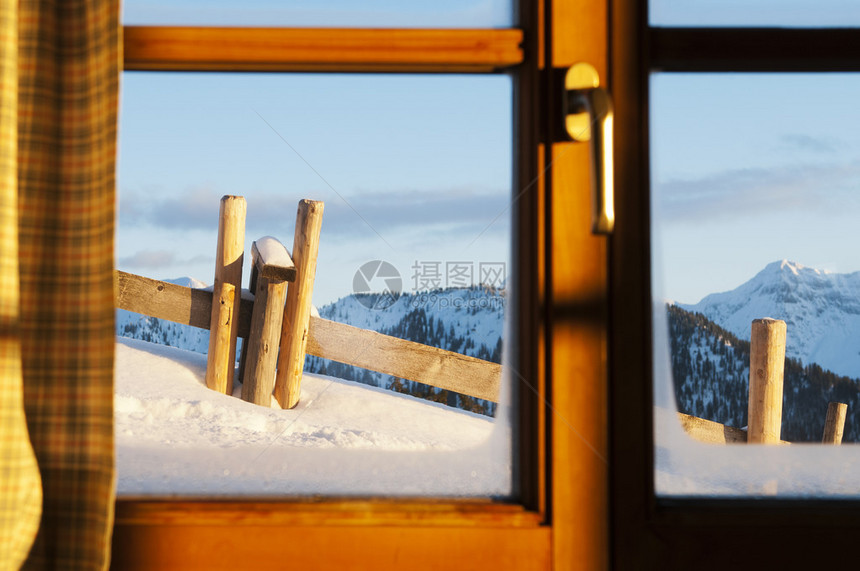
176,437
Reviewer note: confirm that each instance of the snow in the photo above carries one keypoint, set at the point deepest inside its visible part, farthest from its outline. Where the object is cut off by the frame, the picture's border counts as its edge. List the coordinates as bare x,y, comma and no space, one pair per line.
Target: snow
176,437
273,252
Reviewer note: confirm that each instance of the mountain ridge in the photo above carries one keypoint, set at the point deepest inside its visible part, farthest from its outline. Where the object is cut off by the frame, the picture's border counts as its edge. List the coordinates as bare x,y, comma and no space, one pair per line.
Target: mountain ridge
820,308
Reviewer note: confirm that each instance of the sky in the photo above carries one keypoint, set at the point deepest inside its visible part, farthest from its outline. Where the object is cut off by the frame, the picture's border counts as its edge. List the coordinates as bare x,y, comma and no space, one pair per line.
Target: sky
748,169
748,13
324,13
414,170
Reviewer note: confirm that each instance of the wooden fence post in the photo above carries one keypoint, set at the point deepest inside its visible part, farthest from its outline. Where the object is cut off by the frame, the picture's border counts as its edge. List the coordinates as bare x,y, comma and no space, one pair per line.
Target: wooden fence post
834,424
218,359
767,363
272,269
221,360
294,335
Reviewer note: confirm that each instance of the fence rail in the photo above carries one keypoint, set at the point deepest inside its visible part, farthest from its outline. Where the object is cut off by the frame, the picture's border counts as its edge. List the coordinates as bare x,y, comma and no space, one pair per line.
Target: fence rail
275,319
327,339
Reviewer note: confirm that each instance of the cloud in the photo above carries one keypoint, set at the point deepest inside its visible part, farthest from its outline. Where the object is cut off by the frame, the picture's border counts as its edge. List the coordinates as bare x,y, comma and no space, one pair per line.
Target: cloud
807,143
158,259
363,214
751,191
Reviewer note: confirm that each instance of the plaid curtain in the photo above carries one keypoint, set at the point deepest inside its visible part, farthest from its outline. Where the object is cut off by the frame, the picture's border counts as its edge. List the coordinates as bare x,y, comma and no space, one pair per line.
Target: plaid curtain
20,488
67,61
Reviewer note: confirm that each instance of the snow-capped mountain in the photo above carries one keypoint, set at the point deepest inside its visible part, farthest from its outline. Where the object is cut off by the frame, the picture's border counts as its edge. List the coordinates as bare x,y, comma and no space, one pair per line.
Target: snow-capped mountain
821,310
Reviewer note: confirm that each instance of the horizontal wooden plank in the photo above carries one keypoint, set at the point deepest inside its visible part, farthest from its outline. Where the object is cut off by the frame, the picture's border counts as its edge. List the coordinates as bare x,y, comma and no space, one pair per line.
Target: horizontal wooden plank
705,430
172,302
404,359
272,260
709,431
320,49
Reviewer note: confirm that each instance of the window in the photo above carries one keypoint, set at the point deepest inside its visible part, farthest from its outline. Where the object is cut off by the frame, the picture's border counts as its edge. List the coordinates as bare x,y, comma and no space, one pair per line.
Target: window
679,532
412,170
560,514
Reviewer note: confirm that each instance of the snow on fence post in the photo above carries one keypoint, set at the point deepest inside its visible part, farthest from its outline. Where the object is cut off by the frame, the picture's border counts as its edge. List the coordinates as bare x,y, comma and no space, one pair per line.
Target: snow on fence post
221,360
272,268
767,363
834,424
294,335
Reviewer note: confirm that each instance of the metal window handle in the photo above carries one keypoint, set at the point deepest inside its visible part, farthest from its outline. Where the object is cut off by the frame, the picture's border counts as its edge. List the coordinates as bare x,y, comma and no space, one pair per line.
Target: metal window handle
588,116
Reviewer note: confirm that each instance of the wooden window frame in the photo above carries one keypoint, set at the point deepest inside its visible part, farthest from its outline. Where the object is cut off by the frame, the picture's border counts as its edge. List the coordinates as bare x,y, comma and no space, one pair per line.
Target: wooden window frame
150,533
559,517
648,531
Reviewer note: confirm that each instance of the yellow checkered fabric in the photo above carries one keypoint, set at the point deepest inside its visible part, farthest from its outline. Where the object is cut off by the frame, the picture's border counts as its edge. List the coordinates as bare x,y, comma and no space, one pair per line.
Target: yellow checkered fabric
20,488
57,335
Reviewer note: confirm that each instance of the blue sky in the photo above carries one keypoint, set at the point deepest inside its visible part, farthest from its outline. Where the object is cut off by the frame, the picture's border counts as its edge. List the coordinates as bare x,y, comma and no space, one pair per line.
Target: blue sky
410,167
792,13
752,168
327,13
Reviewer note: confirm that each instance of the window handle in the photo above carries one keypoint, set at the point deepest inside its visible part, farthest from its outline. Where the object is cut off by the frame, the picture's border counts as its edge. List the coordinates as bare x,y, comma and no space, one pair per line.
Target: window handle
588,117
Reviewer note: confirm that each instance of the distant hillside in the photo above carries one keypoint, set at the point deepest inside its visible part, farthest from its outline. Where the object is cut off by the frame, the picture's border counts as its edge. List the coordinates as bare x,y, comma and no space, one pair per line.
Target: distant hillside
469,321
710,367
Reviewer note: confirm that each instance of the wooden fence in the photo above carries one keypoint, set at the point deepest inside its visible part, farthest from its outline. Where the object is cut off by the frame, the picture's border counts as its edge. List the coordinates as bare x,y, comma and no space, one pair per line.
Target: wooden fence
767,363
278,326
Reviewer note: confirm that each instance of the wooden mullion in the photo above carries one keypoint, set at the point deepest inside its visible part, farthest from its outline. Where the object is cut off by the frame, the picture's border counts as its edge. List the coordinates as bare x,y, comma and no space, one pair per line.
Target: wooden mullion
526,373
754,49
631,478
169,48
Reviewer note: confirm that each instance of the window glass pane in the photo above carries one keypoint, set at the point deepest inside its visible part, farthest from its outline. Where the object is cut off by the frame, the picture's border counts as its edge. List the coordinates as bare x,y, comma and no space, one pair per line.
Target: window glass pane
415,174
325,13
751,13
755,208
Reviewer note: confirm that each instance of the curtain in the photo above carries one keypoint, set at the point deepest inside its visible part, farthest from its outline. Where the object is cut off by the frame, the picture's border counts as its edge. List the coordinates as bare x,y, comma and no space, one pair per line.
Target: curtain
58,153
20,495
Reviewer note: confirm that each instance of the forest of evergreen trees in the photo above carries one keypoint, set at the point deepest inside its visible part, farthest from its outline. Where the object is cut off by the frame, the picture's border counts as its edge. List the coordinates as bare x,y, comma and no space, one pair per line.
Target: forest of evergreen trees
417,326
710,367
